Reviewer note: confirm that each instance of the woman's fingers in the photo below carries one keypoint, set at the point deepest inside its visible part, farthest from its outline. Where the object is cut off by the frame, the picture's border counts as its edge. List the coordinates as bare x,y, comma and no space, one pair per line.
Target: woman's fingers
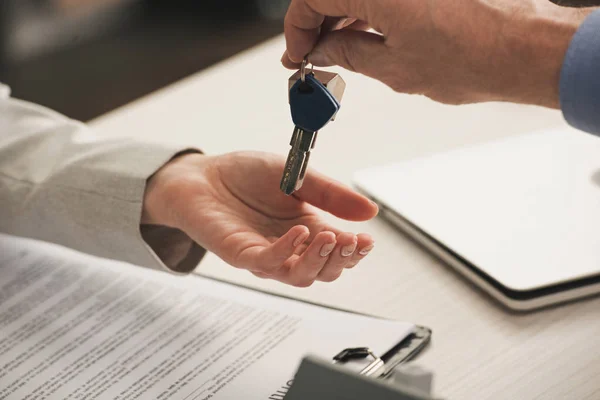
323,259
340,257
302,270
364,246
270,258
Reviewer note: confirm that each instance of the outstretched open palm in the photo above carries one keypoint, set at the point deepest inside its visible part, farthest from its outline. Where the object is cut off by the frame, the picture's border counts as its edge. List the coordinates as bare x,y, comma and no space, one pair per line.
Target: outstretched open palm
231,205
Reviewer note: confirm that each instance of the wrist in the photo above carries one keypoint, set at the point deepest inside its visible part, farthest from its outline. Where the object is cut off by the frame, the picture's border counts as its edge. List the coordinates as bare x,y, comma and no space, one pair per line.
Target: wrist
537,46
164,189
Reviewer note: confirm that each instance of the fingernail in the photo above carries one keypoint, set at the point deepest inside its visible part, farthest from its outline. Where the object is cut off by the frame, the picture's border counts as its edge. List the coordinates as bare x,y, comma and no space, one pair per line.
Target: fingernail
327,249
301,238
284,57
347,251
318,57
366,250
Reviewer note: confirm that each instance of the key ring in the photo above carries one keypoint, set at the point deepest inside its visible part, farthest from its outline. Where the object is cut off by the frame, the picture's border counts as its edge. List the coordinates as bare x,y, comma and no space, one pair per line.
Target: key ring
303,69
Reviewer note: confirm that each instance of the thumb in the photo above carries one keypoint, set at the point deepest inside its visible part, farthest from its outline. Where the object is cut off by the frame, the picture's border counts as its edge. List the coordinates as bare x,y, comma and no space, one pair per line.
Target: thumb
354,50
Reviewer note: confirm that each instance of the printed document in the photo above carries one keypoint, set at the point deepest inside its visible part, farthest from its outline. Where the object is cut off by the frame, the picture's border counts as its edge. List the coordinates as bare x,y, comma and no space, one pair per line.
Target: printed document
74,326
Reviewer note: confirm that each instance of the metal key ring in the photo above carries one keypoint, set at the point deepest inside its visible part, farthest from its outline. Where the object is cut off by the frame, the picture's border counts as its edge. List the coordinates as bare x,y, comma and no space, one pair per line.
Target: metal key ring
303,69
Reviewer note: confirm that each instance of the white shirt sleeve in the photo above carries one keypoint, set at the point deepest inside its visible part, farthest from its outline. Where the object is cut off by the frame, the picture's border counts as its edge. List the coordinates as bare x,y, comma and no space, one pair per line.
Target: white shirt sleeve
62,184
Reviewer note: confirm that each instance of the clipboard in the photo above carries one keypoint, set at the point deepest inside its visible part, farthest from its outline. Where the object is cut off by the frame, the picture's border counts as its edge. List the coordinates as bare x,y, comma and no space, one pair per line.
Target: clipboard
386,377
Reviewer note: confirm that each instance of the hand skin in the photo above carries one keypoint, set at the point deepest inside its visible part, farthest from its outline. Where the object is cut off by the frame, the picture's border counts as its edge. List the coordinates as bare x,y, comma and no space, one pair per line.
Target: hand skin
452,51
231,205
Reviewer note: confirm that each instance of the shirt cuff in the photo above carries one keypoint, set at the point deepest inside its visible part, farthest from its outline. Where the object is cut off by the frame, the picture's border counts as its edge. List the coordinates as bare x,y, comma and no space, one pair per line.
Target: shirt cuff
580,77
167,248
173,247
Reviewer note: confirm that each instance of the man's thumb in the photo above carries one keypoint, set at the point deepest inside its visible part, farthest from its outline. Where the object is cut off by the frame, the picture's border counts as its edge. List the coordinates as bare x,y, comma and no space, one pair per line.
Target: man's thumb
357,51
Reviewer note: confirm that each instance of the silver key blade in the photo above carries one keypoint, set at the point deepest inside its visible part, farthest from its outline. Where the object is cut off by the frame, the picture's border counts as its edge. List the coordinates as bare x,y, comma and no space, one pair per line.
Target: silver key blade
297,160
290,182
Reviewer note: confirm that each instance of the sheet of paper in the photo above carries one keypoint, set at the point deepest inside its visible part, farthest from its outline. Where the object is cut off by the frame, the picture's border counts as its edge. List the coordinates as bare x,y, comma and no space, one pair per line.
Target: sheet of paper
78,327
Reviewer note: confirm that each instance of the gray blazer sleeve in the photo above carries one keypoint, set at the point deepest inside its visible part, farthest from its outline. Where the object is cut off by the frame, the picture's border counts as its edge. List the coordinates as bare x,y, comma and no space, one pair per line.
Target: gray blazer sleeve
59,183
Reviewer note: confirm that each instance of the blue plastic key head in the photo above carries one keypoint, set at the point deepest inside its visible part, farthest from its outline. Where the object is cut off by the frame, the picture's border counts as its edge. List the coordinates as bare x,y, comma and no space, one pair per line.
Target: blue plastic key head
311,104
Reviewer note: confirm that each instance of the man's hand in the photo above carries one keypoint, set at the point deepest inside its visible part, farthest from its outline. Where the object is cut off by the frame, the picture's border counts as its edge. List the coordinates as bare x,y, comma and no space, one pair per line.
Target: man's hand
453,51
231,205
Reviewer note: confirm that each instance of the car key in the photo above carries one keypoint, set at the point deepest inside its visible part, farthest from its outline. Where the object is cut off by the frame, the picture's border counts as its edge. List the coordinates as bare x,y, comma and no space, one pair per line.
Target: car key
312,105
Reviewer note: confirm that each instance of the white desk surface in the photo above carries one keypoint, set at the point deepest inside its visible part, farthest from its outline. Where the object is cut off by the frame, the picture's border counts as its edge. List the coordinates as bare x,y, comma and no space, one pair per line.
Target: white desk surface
479,350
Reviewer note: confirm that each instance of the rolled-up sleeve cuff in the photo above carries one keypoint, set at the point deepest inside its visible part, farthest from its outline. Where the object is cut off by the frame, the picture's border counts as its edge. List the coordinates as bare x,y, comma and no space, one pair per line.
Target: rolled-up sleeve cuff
165,248
580,77
98,202
172,248
120,234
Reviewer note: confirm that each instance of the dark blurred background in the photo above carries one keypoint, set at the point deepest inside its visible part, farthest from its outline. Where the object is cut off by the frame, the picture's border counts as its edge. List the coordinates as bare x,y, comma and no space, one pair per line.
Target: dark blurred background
86,57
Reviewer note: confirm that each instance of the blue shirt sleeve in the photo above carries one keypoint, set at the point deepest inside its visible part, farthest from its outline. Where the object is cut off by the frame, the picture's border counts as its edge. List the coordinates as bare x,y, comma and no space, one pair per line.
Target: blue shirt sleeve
580,77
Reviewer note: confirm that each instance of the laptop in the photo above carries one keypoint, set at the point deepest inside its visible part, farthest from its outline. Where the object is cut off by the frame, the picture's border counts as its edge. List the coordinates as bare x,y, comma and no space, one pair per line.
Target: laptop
519,217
